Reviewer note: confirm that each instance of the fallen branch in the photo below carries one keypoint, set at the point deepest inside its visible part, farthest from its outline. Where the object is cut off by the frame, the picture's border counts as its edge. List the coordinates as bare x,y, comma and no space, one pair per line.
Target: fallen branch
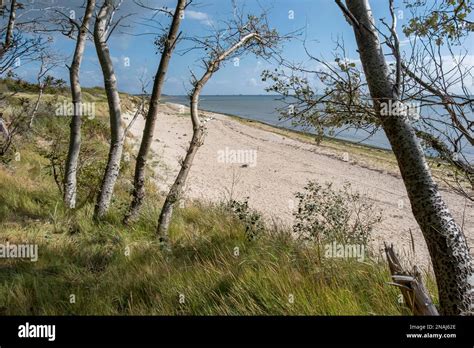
411,285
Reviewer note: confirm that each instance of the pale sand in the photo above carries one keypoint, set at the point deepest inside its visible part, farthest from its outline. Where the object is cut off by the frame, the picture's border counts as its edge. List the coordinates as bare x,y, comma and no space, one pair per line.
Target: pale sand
283,167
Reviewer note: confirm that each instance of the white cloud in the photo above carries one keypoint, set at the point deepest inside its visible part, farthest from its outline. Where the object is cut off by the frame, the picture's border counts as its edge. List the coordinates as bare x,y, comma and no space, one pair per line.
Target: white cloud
202,17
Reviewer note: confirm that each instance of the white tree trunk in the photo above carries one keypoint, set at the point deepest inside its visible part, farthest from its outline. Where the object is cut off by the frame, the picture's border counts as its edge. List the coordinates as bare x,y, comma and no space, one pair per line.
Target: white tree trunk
116,137
9,32
445,240
70,179
36,107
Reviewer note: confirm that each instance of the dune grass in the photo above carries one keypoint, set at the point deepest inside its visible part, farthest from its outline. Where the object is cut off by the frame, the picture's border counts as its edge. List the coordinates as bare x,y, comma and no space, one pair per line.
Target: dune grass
212,268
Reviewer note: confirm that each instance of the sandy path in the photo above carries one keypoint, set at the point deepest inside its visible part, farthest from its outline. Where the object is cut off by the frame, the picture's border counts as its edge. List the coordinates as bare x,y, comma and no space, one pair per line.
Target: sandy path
282,167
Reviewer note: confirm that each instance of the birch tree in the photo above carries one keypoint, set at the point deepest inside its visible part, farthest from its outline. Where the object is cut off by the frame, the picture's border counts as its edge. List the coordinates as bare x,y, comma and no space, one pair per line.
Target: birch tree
445,240
101,34
150,121
253,35
360,99
15,48
70,179
7,43
47,61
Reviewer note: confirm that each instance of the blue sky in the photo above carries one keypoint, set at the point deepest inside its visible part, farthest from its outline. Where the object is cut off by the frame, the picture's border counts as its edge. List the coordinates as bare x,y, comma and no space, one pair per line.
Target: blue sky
321,21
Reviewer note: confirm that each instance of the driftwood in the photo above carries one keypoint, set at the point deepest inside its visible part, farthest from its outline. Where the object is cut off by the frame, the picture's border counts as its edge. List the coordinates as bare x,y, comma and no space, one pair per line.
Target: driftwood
411,285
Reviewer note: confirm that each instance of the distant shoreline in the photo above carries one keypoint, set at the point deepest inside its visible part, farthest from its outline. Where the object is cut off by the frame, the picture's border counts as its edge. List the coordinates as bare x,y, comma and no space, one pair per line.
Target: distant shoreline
308,134
284,162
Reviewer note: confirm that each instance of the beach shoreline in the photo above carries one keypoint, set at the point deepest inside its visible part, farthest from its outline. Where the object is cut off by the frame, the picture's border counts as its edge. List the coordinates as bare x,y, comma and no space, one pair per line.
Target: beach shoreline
284,162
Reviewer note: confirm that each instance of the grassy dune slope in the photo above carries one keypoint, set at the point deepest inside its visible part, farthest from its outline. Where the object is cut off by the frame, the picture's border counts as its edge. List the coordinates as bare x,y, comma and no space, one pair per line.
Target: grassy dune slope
211,269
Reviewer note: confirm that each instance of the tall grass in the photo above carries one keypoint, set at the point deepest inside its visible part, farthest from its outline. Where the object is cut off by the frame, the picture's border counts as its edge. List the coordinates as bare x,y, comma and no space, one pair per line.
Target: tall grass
89,268
212,267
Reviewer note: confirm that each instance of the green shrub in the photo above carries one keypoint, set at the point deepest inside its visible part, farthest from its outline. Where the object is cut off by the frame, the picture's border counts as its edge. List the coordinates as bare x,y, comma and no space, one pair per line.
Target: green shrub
252,219
326,215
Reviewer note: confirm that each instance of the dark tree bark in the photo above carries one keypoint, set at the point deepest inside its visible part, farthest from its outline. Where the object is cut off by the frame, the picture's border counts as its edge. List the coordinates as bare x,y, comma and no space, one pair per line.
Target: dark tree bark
197,139
445,240
147,138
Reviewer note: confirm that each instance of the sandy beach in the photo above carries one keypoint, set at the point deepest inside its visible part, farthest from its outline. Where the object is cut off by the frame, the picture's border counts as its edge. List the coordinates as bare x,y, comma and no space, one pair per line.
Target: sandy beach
239,160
